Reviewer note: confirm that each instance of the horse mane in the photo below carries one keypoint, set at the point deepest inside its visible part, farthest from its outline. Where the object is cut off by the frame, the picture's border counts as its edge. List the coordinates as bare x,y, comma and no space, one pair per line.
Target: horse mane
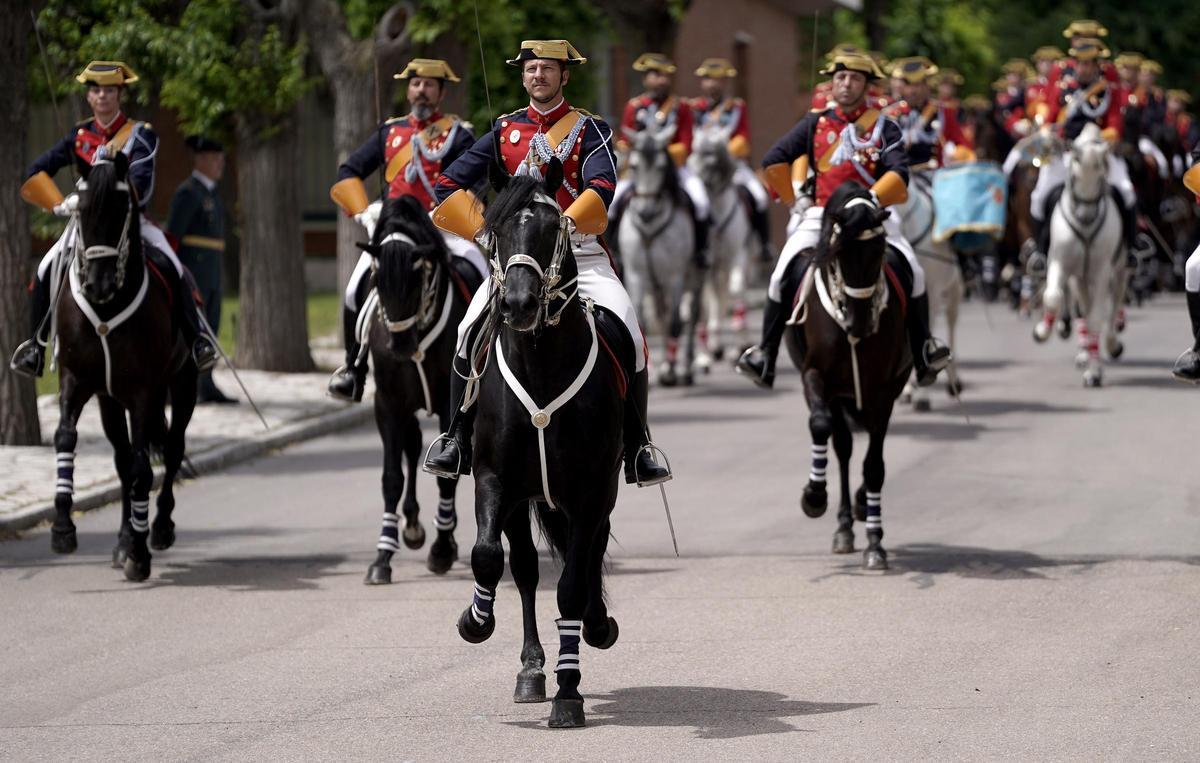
518,193
827,248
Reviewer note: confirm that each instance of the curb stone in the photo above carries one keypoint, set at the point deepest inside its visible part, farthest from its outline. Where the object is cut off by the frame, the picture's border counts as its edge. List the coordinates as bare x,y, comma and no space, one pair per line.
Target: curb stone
211,460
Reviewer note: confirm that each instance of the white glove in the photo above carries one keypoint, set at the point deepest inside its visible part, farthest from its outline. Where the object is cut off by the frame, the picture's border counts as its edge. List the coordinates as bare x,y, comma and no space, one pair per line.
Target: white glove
68,206
367,220
801,204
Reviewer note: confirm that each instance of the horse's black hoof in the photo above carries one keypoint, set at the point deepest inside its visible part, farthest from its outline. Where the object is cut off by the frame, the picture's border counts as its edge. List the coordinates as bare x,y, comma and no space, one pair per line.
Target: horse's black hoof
378,574
668,379
442,554
63,541
471,631
162,535
860,504
843,542
566,714
814,500
602,640
413,535
119,555
921,405
688,379
137,570
875,560
718,354
1117,350
531,686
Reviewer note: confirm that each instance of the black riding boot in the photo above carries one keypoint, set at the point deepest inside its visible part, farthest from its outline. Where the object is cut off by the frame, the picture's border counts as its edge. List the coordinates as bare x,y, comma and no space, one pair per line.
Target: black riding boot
455,458
187,312
1041,235
700,256
758,363
30,356
640,465
349,381
1129,224
1187,367
929,355
761,223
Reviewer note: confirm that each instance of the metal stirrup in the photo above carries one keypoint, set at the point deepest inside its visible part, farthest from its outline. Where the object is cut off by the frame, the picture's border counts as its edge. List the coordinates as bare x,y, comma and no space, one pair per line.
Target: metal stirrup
441,472
652,449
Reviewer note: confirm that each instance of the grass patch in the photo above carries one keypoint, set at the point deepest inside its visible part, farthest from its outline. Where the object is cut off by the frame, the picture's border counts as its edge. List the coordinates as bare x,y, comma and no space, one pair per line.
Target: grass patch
324,310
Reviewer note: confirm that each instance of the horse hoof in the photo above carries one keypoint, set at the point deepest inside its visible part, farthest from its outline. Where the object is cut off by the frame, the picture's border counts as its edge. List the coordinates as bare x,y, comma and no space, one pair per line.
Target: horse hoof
922,405
688,379
814,501
1064,329
1092,381
162,535
875,559
137,570
531,686
954,389
119,555
378,574
608,639
63,541
413,535
860,504
442,555
471,631
1082,360
1041,333
718,354
566,714
906,395
843,542
1116,351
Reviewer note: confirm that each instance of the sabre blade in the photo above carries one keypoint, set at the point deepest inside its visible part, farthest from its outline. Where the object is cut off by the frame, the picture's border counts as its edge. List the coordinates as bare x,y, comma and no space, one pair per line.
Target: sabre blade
233,370
671,525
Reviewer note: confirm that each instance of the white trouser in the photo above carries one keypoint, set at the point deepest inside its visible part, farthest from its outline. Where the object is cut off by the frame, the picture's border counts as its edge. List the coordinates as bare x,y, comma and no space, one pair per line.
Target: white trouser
688,181
745,177
151,235
596,281
808,234
458,246
1151,149
1191,273
1055,172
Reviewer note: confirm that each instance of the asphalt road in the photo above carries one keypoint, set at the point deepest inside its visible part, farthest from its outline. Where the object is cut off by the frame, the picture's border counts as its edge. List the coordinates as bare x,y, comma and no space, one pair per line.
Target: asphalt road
1042,602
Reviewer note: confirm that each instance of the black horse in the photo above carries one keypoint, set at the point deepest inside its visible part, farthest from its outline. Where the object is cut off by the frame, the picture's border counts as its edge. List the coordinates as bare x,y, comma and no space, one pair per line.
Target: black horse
420,296
117,340
548,345
854,364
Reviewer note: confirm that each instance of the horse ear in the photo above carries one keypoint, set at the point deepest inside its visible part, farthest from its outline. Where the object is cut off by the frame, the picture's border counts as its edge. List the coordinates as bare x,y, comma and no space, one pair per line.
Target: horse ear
554,176
368,247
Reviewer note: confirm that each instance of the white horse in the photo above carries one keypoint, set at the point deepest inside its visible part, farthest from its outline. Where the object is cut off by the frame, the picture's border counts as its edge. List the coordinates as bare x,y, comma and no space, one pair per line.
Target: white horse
1087,253
943,277
730,240
657,242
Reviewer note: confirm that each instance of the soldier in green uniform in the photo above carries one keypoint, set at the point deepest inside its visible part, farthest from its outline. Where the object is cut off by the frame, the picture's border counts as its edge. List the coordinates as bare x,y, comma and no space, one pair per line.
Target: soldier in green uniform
197,221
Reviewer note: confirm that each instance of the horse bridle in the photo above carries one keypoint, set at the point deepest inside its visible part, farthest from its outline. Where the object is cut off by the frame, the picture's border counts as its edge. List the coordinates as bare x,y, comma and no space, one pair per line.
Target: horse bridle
85,255
552,287
838,286
429,286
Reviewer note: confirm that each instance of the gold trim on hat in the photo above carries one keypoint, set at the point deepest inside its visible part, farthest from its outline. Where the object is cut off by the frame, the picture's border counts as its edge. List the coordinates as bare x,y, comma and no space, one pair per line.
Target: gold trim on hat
654,62
551,50
434,68
855,62
106,73
716,68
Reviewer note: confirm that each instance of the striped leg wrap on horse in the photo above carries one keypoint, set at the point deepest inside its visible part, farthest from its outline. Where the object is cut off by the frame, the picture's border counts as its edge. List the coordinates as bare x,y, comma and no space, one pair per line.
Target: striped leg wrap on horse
447,518
874,511
389,536
820,461
569,632
66,474
481,606
139,516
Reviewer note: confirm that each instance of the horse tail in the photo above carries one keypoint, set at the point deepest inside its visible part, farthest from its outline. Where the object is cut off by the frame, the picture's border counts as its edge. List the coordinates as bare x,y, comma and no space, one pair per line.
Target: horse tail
554,529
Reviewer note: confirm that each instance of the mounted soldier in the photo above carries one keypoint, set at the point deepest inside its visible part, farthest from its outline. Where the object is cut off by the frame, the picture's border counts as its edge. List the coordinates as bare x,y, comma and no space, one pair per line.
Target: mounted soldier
716,108
1184,125
848,142
659,111
411,152
1187,367
1063,73
1012,107
1086,97
877,96
523,142
1037,91
108,132
933,136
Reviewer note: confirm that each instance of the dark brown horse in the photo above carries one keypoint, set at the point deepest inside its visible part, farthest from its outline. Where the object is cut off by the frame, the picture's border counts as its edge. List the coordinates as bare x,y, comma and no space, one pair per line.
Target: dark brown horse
117,341
854,359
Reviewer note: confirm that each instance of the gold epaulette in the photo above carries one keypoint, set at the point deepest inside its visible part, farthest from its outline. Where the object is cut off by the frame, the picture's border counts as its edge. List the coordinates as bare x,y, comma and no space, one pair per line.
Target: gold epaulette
83,122
585,112
393,119
509,114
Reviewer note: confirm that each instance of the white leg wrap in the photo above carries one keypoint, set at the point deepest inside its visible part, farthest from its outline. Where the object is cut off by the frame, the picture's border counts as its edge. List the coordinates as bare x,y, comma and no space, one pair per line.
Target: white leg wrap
1191,272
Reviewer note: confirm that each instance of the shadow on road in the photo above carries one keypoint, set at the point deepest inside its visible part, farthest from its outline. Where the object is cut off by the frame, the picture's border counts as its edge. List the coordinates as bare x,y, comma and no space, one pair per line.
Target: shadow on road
267,573
714,712
925,561
95,547
311,462
1162,380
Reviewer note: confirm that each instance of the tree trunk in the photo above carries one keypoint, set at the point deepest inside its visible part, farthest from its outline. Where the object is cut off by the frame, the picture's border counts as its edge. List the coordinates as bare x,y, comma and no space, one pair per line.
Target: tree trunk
873,13
18,403
353,122
272,325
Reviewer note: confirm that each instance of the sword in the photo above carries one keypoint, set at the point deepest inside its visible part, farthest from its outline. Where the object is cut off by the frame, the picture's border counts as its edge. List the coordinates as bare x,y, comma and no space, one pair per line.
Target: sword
233,370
